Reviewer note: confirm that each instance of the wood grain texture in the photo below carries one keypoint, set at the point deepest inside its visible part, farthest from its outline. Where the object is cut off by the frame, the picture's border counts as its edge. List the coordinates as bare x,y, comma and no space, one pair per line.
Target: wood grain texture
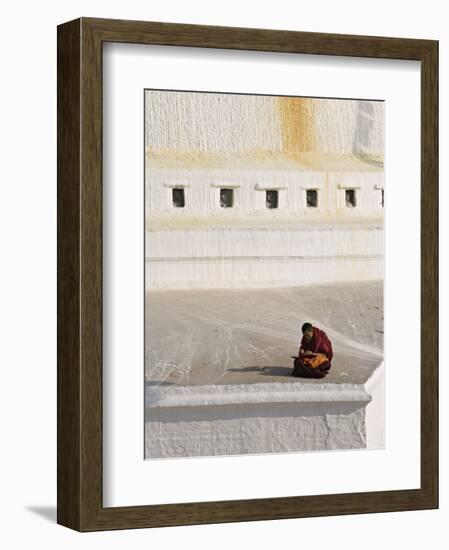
68,317
80,274
429,272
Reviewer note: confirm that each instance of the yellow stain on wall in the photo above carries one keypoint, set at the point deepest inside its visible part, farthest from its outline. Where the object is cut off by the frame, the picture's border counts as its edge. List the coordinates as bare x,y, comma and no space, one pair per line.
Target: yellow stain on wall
297,124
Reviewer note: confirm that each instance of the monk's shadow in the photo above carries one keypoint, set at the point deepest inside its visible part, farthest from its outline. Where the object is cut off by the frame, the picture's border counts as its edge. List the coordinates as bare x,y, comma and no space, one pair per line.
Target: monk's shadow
265,371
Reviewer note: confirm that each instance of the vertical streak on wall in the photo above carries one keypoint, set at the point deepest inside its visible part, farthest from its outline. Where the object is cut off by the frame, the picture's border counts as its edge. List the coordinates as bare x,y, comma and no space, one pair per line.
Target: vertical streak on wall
297,124
210,123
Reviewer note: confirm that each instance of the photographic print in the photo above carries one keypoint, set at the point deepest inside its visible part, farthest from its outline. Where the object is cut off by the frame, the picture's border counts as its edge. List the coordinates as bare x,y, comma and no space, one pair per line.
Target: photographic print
264,268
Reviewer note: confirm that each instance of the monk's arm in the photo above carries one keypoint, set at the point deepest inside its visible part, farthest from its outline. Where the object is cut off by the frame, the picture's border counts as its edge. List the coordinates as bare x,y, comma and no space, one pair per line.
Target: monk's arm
308,352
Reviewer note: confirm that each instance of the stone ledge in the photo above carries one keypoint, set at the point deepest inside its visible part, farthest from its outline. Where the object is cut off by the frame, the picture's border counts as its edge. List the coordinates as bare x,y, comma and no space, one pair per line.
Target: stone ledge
295,392
194,421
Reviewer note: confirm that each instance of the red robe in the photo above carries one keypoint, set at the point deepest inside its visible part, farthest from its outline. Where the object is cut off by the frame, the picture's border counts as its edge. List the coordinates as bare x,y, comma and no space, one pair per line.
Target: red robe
319,343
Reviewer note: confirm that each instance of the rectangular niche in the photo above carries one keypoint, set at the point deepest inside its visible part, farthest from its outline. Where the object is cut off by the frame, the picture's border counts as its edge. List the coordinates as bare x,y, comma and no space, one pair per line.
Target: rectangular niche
350,198
312,198
272,198
226,197
178,197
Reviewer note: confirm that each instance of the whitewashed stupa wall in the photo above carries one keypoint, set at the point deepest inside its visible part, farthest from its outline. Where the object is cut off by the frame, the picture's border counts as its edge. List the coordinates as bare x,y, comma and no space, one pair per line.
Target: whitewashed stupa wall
254,258
204,142
231,123
202,193
178,121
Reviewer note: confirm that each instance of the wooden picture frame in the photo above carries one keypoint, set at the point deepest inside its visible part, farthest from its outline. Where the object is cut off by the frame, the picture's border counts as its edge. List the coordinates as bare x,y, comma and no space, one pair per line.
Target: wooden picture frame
79,385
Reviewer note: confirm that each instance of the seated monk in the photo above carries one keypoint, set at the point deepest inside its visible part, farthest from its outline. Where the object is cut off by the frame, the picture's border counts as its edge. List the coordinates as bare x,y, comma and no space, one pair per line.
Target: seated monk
315,353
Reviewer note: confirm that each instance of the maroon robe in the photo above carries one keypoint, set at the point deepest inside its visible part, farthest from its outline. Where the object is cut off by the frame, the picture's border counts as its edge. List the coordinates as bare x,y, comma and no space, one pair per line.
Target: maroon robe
319,343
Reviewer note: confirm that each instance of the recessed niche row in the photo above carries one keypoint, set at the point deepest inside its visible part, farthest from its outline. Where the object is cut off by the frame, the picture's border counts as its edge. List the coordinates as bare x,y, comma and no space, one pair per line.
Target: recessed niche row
271,198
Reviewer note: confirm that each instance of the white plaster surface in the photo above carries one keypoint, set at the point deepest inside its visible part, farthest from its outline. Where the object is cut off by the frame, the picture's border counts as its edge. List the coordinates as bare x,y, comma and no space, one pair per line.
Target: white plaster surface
251,175
254,418
217,122
264,256
375,409
250,144
261,428
224,336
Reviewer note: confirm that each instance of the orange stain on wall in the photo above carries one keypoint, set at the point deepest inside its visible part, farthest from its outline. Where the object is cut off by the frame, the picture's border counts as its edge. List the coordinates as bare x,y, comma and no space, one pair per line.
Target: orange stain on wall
297,124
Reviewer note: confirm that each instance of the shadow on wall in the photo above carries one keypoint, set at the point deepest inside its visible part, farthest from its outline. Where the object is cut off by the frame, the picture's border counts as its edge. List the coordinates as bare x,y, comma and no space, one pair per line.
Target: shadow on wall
237,411
364,133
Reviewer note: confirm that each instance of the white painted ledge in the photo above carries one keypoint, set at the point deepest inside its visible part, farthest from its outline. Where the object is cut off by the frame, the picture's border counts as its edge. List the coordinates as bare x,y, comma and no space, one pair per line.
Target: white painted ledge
349,185
177,184
187,421
269,187
311,186
375,410
225,184
245,394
